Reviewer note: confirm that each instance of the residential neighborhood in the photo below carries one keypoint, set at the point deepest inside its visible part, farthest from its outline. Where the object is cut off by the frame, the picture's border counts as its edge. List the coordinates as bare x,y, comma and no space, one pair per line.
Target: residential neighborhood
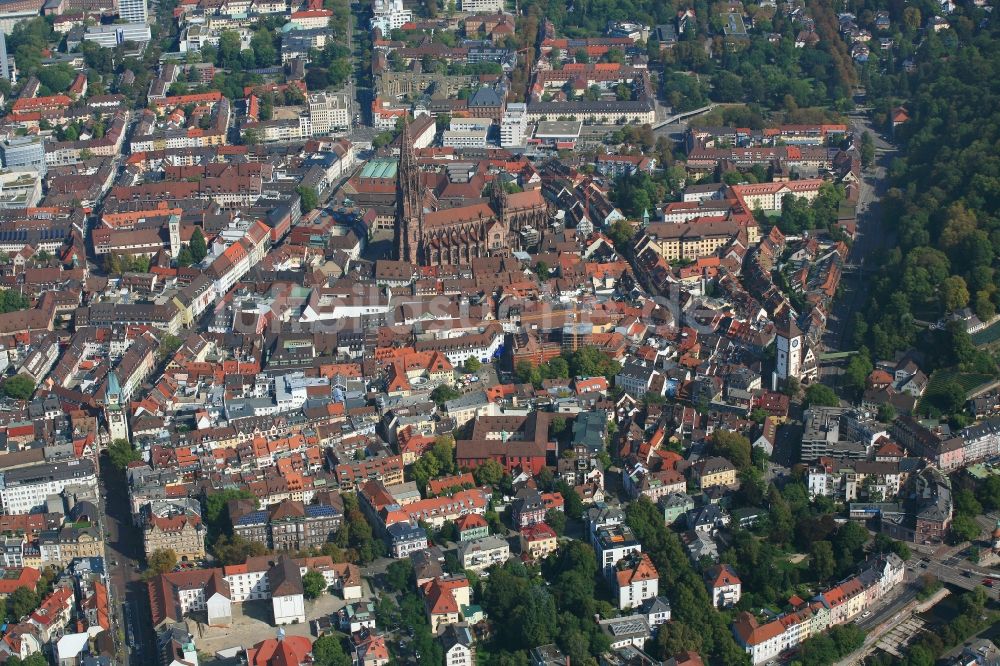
536,333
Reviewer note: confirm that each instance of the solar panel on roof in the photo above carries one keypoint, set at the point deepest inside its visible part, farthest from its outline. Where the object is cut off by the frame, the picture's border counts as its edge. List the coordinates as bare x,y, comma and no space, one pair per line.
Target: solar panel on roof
320,510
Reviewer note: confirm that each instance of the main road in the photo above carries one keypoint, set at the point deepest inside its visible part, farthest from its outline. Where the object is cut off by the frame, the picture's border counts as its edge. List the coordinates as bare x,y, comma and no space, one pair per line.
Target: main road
123,553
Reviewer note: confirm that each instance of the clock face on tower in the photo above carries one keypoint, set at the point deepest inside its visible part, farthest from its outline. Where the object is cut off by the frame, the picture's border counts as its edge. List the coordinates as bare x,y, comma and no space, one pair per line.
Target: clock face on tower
795,343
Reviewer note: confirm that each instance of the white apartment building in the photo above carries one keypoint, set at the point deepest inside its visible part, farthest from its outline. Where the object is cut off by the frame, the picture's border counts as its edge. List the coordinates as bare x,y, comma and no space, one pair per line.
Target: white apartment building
133,11
329,112
20,188
482,6
612,544
464,139
25,489
514,125
470,124
480,554
637,580
388,15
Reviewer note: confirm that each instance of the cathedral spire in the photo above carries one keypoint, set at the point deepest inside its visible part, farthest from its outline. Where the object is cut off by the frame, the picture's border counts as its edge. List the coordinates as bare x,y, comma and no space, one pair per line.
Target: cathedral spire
409,212
406,157
498,197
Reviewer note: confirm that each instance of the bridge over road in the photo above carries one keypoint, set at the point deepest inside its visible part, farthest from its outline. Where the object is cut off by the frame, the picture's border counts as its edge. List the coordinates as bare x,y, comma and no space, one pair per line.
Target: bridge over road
681,116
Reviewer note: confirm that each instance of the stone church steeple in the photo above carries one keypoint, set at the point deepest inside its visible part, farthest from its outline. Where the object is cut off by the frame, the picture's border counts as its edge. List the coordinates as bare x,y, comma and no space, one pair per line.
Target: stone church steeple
409,206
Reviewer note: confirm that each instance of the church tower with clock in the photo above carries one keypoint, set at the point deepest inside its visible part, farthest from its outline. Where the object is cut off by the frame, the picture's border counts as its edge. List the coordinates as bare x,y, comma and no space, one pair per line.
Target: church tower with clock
789,342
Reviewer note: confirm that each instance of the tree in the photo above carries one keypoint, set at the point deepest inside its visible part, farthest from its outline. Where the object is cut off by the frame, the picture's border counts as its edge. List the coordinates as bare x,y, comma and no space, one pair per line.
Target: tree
472,364
447,533
572,504
821,561
34,659
19,387
313,584
184,257
820,395
387,612
22,601
328,651
229,49
251,137
556,520
965,528
733,446
867,149
198,247
308,198
886,413
161,560
236,550
621,235
489,473
967,504
546,480
121,453
11,301
954,294
885,544
675,638
949,396
263,49
592,362
856,373
988,493
215,512
399,575
443,393
168,345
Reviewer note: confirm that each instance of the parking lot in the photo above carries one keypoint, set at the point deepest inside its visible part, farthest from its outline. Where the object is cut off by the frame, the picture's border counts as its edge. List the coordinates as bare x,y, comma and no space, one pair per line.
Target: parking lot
252,624
894,642
485,376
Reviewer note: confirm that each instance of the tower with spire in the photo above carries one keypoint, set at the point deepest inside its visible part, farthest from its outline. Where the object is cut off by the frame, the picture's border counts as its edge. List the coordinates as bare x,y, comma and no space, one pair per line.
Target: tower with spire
114,413
409,209
498,198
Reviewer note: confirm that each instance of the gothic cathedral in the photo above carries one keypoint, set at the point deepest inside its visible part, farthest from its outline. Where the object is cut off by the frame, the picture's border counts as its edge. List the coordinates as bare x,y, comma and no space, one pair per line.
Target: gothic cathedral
427,234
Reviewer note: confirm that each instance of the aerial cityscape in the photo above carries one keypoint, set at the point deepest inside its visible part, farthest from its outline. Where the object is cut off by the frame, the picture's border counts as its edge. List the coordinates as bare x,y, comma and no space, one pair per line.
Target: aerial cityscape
499,332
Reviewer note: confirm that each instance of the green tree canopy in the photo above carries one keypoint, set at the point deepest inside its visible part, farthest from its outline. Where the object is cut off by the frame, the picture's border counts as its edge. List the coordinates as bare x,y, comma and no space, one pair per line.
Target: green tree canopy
22,601
820,395
733,446
556,520
161,560
489,473
308,198
198,246
19,387
121,453
329,651
443,393
313,584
